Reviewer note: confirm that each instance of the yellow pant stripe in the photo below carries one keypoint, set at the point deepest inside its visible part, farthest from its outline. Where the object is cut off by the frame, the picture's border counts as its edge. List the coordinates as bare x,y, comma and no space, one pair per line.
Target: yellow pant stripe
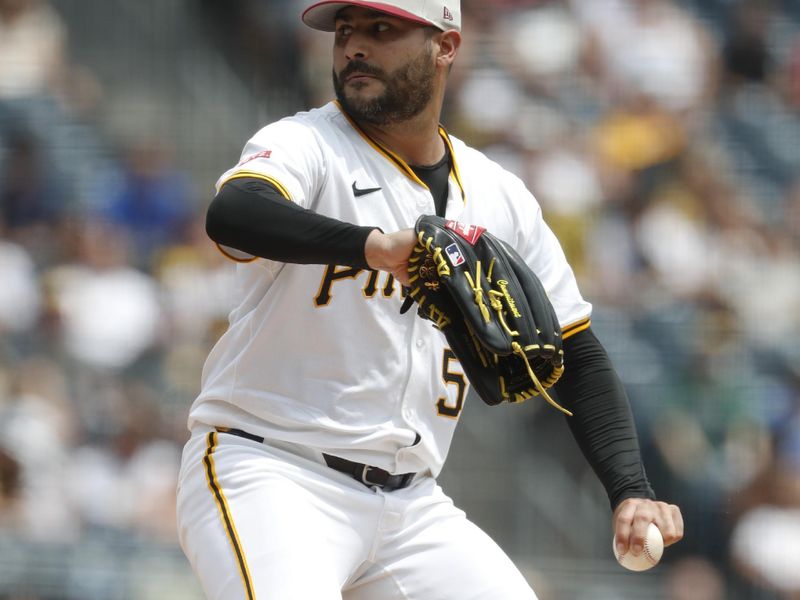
225,514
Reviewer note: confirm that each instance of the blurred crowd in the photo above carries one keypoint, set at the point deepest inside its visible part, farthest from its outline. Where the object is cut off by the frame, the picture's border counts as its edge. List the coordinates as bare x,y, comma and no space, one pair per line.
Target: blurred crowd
662,139
110,298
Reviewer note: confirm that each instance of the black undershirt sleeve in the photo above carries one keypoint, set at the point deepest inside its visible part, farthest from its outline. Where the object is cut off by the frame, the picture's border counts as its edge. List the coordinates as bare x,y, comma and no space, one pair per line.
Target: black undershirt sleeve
602,422
251,215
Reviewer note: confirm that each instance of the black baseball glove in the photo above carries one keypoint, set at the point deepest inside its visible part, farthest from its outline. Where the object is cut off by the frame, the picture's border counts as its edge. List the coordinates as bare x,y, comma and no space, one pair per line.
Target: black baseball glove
491,307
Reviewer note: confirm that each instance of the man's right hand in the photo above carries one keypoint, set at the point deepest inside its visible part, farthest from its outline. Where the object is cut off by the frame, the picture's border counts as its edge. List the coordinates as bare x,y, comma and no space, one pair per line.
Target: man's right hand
390,252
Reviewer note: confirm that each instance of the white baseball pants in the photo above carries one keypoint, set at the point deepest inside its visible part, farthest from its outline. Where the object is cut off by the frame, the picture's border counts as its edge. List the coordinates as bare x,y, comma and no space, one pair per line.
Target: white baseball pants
257,521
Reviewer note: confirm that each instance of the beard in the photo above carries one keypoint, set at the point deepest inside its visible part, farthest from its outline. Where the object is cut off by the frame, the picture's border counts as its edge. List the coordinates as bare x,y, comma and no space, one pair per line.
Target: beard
408,90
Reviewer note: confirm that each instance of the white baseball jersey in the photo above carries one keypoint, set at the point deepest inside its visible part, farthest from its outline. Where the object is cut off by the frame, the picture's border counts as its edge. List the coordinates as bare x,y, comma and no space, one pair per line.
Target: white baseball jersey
320,355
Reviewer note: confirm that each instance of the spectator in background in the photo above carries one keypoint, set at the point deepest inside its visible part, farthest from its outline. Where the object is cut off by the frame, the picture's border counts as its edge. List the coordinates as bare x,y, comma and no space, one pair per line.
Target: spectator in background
545,46
760,276
756,105
766,537
43,148
673,62
792,221
152,201
29,198
791,84
695,579
122,479
32,62
35,66
32,49
746,54
9,490
108,312
569,188
198,287
20,295
259,42
38,427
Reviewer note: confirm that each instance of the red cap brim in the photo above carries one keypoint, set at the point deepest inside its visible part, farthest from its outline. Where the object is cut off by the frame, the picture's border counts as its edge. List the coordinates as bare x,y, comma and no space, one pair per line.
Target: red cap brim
322,14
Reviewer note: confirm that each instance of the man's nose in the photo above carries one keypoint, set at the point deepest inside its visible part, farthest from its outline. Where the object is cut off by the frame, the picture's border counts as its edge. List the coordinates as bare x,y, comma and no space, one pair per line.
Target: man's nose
356,48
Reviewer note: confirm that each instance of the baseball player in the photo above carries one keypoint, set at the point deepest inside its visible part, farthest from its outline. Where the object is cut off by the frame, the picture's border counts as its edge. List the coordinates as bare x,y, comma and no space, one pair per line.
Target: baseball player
325,414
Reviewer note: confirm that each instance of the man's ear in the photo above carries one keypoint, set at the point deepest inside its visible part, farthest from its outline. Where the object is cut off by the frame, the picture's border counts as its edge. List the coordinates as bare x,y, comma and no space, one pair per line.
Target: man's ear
449,43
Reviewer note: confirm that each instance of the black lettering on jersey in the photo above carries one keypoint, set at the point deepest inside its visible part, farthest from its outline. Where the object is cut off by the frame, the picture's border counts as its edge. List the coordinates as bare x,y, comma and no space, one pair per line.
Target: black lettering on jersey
335,273
372,285
388,288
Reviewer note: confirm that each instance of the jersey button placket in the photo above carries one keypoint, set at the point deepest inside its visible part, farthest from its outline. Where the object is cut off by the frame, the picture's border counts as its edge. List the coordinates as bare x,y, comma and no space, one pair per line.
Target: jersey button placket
409,401
408,414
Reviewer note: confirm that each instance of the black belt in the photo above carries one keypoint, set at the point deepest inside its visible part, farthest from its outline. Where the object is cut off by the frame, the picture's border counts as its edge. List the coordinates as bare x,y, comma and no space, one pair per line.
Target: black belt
366,474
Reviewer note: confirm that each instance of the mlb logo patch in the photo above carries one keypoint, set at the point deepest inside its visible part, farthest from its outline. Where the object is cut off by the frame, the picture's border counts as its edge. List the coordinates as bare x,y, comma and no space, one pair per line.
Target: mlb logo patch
456,258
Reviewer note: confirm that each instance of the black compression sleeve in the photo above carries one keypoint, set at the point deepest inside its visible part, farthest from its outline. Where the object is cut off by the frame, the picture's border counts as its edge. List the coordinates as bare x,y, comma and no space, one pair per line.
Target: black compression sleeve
253,216
602,422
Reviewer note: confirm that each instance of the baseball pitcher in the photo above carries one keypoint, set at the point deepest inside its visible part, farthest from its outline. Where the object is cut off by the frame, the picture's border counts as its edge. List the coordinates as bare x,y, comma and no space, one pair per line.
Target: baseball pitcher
326,413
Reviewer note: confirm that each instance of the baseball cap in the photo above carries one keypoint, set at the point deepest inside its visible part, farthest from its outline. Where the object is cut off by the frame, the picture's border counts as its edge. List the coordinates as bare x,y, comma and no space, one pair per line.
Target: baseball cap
444,14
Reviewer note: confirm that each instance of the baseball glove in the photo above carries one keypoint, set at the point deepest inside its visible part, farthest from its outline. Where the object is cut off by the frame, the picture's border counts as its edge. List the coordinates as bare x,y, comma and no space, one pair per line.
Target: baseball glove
491,307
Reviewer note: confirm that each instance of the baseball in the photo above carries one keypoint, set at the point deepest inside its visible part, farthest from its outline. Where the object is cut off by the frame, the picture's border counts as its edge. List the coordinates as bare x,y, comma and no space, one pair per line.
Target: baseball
653,549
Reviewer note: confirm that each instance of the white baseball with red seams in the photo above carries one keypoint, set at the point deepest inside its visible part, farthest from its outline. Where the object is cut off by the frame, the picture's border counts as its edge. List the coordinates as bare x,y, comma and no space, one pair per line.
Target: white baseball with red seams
650,555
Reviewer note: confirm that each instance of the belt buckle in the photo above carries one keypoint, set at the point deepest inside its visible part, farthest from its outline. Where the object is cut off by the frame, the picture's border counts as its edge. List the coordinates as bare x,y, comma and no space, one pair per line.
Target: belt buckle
364,478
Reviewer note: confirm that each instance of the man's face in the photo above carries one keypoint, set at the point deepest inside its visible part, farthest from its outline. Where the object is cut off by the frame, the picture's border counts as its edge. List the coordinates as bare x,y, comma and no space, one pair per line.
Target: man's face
383,67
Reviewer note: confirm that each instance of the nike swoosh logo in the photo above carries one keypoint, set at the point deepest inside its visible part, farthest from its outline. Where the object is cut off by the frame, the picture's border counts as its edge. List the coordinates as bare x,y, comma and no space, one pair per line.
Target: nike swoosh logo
359,192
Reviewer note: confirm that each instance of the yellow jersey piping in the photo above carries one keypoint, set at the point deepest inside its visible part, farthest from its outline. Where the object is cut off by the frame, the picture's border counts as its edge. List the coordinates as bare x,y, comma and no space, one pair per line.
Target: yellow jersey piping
255,174
240,175
454,171
235,259
576,327
399,162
